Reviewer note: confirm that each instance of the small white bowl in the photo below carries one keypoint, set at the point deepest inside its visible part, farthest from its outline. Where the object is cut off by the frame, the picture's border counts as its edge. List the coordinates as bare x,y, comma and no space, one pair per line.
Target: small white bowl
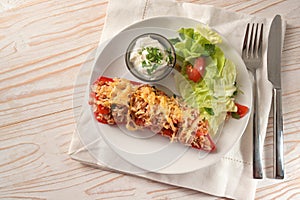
166,44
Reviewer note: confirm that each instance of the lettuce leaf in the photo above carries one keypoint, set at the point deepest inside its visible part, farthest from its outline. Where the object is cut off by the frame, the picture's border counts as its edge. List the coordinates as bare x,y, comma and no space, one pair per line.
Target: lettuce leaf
210,35
213,95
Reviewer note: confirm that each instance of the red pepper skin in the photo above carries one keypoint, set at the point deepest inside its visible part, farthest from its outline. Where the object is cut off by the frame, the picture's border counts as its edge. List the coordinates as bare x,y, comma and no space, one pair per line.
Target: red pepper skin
101,120
101,109
167,132
139,122
105,79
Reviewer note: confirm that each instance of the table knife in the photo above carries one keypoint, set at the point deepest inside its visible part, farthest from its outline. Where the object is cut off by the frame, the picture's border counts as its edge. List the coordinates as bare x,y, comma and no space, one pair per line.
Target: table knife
274,76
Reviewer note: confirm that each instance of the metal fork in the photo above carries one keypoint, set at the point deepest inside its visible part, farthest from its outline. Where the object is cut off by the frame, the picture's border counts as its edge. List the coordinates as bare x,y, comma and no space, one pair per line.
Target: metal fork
252,56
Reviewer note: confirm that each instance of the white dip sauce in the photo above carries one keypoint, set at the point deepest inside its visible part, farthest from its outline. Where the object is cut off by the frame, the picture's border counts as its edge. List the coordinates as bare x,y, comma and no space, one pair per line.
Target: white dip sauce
149,57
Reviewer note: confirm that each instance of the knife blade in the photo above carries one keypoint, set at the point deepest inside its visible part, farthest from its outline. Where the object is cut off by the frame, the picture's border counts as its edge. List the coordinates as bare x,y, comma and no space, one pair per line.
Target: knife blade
274,76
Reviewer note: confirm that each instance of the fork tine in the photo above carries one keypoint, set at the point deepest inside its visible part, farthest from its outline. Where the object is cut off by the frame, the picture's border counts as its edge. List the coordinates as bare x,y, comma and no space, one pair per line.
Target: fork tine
245,44
251,43
260,41
257,48
255,43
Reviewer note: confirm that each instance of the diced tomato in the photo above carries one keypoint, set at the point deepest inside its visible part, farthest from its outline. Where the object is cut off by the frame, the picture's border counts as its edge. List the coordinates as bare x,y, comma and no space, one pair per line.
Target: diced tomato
200,65
193,73
242,110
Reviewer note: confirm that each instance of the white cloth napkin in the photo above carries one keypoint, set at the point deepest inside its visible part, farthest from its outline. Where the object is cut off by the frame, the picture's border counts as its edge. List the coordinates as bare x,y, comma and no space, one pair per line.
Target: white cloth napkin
231,176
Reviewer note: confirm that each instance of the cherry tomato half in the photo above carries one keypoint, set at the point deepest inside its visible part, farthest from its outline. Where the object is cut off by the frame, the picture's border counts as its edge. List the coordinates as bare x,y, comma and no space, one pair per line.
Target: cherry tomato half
242,110
193,73
200,65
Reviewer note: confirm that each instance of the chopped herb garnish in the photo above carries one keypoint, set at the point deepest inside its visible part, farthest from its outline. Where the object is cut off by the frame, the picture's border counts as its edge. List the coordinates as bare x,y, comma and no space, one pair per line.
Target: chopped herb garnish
150,70
209,111
153,54
144,64
154,58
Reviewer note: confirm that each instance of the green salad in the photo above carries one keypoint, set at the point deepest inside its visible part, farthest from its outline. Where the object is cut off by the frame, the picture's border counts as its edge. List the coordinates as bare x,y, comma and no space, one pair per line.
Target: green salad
207,79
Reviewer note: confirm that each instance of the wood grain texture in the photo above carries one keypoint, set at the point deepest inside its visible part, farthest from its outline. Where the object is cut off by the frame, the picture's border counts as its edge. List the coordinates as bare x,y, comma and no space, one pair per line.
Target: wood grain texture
43,44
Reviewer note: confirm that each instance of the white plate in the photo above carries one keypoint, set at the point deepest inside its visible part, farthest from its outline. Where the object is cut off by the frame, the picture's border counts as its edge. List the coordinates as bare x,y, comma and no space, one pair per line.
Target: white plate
154,152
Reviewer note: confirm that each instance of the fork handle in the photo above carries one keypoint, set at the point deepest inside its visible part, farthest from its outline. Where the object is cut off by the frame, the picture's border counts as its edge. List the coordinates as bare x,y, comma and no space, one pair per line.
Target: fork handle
257,161
278,135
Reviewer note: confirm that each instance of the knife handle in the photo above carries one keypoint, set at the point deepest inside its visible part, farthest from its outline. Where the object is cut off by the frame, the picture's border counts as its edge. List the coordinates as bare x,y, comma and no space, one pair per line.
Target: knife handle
278,135
257,161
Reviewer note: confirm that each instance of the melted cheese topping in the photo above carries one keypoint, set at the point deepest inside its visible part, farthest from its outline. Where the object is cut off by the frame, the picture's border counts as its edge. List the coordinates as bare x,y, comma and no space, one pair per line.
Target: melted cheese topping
120,91
154,107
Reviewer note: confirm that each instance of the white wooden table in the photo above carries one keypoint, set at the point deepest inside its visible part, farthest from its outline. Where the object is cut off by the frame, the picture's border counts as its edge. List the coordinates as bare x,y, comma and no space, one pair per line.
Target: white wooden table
43,44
